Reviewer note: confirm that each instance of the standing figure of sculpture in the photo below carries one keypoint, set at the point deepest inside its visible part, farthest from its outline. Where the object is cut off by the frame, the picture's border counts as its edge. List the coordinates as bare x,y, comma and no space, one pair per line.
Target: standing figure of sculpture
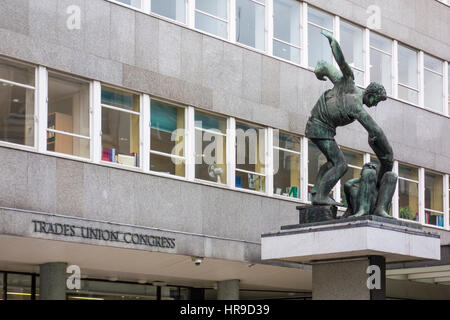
340,106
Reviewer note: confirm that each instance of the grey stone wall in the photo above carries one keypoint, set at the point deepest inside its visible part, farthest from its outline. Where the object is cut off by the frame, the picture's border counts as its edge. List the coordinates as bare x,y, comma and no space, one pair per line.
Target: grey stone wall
123,47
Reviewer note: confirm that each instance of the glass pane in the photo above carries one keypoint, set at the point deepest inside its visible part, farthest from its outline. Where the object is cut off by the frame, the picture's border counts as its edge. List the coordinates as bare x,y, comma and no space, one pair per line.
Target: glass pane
133,3
433,91
407,67
209,122
167,165
68,105
380,42
318,47
120,137
250,181
286,180
408,94
16,114
286,141
250,24
408,200
320,18
432,63
173,9
19,286
286,52
433,191
381,69
66,144
17,72
434,218
167,128
352,44
211,25
120,99
359,77
217,8
354,159
286,21
210,160
408,172
250,142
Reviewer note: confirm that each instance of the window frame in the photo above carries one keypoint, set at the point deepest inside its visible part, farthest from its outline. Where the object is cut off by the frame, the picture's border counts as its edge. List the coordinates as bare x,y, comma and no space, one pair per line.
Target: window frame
442,213
363,69
390,55
333,31
266,13
419,89
425,70
227,21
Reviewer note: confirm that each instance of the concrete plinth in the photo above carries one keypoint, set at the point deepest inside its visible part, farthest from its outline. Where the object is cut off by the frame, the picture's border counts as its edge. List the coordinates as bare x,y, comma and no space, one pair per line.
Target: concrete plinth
349,256
228,290
52,281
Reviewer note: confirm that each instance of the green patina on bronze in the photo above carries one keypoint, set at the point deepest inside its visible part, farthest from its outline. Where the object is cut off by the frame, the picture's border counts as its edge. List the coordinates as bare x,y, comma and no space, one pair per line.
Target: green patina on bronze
372,192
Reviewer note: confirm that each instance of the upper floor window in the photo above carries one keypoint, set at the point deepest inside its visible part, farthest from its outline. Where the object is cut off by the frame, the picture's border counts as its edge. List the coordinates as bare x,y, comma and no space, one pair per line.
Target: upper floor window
173,9
434,83
434,206
212,16
131,3
167,140
408,192
352,43
250,157
17,95
286,30
250,23
318,46
408,74
120,127
286,164
68,116
381,61
210,147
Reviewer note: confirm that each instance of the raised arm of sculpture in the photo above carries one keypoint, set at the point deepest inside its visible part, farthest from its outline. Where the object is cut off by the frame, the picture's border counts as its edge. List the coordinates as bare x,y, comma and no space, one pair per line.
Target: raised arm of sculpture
347,72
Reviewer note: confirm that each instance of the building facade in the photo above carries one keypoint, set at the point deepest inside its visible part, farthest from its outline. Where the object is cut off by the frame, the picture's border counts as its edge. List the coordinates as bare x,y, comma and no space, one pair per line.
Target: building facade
146,145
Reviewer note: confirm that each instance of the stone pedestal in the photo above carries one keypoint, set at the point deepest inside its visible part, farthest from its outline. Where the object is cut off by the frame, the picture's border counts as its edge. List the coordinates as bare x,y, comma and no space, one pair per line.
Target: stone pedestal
348,256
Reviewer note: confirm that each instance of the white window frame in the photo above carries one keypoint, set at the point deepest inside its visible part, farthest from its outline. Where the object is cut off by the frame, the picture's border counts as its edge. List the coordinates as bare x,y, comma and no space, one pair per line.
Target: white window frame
370,47
334,31
442,213
419,183
266,37
192,5
147,8
188,152
338,22
419,88
446,201
442,75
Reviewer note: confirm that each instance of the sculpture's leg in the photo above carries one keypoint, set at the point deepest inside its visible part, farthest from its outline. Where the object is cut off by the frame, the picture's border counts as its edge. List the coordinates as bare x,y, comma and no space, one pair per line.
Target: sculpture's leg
367,194
387,189
331,175
324,168
351,188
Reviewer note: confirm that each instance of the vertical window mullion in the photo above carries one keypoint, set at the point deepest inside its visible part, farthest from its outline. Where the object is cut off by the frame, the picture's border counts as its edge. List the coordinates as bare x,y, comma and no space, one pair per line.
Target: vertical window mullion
422,195
96,122
269,161
41,109
231,152
337,35
232,20
421,76
366,158
190,7
304,38
146,6
366,51
304,169
269,26
395,198
395,69
446,92
190,143
145,133
445,197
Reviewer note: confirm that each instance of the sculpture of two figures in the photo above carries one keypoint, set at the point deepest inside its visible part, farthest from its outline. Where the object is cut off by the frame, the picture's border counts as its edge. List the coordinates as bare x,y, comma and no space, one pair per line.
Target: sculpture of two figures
371,194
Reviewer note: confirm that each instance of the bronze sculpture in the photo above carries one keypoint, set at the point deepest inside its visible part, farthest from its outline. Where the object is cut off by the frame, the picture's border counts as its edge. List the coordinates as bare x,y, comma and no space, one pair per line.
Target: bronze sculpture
340,106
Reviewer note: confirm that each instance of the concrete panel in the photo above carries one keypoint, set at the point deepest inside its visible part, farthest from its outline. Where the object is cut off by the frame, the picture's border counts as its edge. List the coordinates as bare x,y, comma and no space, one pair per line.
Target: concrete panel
147,42
97,193
69,188
212,62
96,28
70,37
122,35
14,15
13,165
42,20
169,48
289,87
41,183
251,76
141,79
230,74
192,56
270,81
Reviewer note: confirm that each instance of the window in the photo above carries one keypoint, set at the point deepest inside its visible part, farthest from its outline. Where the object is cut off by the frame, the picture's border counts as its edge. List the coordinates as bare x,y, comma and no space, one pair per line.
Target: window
318,46
250,23
173,9
120,127
352,43
408,193
68,116
315,160
434,211
167,142
212,16
132,3
355,162
17,94
19,286
210,145
286,164
250,157
434,83
286,30
381,61
408,74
